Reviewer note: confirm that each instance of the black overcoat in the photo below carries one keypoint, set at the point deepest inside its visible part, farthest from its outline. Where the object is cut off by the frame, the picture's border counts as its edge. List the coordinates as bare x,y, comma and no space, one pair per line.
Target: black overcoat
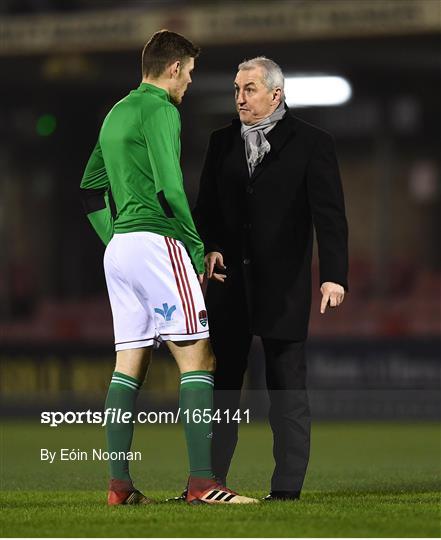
263,225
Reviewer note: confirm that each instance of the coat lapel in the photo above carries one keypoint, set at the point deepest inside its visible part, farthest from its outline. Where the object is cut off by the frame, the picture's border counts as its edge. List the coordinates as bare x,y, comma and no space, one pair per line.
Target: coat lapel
238,157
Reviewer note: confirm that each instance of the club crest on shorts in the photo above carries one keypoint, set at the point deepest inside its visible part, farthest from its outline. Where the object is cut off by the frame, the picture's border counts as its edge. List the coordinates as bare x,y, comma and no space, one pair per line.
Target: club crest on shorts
166,311
203,317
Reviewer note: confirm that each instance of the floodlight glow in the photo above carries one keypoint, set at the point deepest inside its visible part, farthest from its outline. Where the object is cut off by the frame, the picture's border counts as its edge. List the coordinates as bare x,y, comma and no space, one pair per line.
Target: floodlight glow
317,91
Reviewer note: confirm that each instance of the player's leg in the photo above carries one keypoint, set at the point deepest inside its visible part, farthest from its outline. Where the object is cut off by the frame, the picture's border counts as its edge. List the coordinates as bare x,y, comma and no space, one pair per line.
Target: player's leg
134,336
181,321
196,363
130,370
134,362
289,415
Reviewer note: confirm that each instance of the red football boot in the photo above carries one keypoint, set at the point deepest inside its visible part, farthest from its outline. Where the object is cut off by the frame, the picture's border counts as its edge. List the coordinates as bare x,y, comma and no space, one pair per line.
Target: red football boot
123,492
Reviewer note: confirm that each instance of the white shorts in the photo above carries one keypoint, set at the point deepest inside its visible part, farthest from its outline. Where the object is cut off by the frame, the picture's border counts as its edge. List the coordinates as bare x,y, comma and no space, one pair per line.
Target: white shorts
154,291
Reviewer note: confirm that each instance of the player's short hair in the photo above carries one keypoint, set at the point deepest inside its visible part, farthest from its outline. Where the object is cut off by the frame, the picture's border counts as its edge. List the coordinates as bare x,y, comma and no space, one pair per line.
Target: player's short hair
272,72
163,49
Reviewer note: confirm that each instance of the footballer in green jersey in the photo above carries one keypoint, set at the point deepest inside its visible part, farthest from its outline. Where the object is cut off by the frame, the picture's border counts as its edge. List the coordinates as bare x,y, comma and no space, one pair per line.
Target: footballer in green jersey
153,259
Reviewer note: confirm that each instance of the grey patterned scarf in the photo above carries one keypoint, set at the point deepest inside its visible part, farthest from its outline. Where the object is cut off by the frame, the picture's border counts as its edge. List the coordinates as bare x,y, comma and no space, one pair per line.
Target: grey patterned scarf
256,145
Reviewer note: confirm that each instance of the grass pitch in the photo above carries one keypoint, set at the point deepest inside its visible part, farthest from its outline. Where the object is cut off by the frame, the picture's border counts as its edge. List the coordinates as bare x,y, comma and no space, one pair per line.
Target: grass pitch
364,479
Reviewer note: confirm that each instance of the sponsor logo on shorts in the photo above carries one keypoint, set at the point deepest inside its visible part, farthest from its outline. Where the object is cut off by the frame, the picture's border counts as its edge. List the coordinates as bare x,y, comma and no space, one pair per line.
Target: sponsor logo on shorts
203,317
166,311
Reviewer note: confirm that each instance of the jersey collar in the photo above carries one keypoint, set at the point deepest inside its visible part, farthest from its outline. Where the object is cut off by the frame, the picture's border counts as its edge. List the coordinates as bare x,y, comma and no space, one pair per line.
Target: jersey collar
152,89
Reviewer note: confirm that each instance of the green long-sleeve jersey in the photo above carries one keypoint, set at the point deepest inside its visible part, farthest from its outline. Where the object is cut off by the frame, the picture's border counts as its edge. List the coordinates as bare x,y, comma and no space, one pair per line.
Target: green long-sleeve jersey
137,158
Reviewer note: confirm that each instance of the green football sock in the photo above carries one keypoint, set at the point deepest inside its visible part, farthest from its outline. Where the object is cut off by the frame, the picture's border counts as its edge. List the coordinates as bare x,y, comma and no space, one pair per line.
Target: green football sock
122,394
196,395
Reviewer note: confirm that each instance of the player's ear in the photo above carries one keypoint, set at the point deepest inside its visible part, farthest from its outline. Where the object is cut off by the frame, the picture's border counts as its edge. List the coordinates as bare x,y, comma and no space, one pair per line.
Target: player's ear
175,69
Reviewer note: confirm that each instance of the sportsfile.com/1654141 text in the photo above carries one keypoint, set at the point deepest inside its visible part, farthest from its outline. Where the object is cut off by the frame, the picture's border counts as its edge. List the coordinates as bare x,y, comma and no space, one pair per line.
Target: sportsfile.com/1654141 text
115,416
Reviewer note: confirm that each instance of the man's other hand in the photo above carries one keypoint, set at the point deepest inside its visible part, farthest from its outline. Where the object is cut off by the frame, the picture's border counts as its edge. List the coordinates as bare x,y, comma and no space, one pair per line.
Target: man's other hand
212,260
332,293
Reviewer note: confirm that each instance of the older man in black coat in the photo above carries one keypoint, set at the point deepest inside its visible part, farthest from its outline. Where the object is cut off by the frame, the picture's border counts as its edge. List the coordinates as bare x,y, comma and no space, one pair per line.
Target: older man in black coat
269,179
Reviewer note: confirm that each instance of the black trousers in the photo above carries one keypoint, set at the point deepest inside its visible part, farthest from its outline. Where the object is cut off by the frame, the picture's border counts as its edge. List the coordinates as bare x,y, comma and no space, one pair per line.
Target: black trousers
289,413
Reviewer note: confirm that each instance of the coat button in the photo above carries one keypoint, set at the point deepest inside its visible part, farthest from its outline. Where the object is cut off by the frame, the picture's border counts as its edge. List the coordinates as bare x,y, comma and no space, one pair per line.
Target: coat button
250,190
246,261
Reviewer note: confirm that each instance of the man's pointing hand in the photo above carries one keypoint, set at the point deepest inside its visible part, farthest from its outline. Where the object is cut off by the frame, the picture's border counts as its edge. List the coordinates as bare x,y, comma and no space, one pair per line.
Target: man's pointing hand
332,293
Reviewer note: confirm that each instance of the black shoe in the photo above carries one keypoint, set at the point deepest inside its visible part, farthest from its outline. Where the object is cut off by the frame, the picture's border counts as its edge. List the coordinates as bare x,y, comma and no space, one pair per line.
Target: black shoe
179,498
283,496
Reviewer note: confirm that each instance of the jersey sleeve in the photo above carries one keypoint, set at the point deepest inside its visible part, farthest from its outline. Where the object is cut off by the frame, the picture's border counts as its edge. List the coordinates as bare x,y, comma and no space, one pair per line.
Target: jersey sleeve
161,131
95,188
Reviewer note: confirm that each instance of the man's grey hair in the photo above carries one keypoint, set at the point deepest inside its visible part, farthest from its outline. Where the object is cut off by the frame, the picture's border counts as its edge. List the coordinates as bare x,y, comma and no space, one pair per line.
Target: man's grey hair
272,72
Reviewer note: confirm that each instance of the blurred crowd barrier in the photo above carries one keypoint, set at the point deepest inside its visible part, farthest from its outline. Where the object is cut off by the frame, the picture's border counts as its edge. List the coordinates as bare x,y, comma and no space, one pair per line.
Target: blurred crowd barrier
409,309
215,23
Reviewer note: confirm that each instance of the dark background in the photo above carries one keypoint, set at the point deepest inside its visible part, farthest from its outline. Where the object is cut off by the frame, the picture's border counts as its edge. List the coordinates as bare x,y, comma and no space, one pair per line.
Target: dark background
376,356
